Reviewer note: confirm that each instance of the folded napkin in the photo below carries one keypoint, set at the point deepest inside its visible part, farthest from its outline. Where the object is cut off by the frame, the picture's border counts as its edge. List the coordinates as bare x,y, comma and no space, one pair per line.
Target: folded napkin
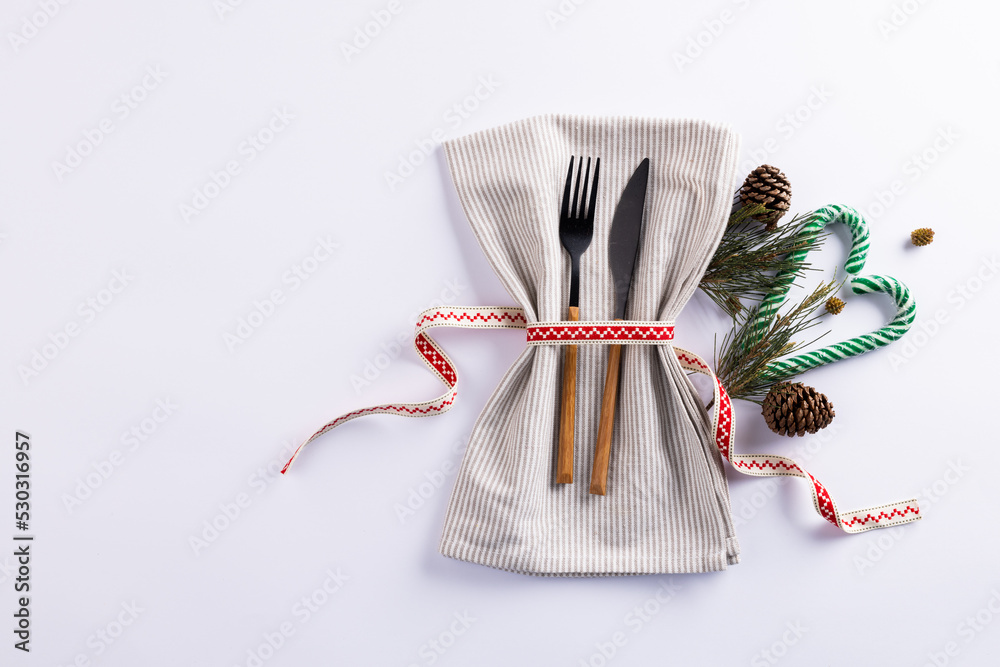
667,505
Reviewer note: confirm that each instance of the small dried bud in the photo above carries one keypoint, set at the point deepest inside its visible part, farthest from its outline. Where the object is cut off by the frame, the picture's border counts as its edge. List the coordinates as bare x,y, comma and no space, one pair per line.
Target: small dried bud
922,236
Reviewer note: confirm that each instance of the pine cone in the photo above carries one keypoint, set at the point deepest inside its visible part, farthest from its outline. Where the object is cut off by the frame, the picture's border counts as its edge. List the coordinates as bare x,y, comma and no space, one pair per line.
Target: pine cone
922,236
834,305
795,409
766,185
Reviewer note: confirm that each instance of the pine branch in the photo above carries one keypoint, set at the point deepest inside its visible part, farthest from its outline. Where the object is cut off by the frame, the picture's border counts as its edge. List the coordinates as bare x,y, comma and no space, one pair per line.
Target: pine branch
749,349
749,259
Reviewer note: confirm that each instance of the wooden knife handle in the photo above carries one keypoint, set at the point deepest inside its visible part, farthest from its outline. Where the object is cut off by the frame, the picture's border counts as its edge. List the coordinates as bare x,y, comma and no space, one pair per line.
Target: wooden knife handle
599,475
567,413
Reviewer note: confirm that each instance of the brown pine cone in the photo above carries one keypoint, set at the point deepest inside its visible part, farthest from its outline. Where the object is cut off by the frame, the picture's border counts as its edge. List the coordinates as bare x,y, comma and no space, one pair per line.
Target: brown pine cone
766,185
922,236
834,305
796,409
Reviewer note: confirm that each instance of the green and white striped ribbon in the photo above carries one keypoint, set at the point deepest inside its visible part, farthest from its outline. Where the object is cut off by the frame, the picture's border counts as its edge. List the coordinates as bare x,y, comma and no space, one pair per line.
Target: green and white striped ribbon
906,305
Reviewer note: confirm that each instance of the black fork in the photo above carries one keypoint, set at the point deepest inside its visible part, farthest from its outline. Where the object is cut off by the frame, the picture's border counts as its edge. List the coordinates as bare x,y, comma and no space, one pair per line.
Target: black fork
576,228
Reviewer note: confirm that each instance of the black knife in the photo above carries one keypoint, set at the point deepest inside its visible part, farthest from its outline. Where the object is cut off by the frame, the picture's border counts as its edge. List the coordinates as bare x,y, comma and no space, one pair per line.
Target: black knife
623,249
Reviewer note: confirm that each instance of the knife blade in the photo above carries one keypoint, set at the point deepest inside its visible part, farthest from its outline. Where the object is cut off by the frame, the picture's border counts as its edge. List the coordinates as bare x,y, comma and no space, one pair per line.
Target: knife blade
623,240
623,250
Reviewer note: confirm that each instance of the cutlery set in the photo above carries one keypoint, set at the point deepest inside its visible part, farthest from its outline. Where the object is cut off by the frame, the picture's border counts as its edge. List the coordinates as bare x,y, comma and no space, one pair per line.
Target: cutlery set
576,229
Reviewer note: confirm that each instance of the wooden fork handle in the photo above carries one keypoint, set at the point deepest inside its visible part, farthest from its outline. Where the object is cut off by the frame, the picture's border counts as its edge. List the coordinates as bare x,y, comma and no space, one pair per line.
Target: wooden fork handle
599,474
567,412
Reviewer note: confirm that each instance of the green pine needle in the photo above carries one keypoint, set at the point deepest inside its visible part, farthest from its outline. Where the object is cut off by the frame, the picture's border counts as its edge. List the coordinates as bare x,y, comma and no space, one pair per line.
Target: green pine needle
749,258
748,350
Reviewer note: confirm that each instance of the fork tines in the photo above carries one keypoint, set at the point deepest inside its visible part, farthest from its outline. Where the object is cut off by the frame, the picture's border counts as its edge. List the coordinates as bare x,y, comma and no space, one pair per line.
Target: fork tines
578,200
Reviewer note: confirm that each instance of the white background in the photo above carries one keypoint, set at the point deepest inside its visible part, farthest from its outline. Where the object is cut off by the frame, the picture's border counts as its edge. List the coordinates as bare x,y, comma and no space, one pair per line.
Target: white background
865,97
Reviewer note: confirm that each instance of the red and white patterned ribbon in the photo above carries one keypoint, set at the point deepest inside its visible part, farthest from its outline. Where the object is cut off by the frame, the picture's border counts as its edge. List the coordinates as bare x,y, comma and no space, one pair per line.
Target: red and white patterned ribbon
436,360
628,333
600,333
769,465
